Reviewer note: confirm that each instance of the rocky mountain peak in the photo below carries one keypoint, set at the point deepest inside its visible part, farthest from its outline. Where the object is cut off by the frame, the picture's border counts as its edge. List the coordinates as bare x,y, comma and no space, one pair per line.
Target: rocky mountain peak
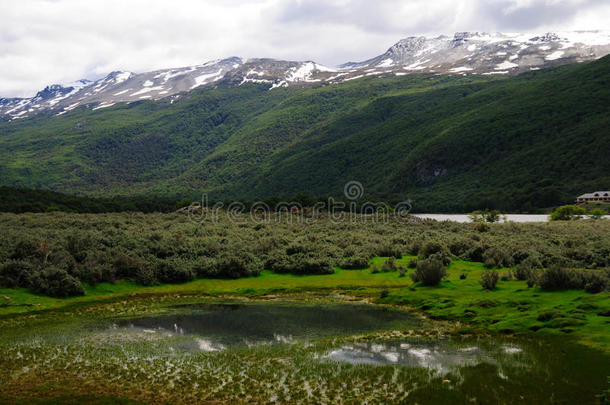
463,53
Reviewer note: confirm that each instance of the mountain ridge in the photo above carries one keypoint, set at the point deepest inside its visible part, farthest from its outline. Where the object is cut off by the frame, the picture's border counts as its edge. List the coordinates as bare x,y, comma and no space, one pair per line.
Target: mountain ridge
464,53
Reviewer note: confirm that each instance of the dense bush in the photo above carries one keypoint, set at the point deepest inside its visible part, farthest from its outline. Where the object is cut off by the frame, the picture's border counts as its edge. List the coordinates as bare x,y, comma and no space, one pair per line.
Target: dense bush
153,248
435,249
355,262
56,283
460,247
558,277
237,265
389,250
595,282
135,268
173,271
26,249
429,272
16,273
497,257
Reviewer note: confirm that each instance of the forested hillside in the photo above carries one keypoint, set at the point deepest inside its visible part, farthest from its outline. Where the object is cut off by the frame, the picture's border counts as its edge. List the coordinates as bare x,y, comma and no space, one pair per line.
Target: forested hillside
450,143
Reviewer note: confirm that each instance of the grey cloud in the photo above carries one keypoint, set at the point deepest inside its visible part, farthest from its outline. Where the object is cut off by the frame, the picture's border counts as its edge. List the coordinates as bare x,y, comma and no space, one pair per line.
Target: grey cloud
50,41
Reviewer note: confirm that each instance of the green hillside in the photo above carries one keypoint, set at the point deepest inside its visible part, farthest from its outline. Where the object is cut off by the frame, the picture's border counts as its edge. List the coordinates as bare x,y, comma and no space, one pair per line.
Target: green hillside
450,143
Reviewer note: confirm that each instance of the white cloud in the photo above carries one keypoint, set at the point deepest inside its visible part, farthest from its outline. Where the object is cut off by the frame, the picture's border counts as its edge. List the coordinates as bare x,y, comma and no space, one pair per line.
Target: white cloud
50,41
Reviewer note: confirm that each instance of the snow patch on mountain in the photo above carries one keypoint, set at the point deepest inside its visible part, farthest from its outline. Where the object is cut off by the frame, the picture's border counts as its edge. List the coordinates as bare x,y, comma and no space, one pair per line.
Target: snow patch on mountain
463,53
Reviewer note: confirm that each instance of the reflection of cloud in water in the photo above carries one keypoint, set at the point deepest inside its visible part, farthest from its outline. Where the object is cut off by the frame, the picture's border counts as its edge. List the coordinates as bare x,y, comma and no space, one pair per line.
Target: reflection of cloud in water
440,357
209,346
203,343
283,339
510,349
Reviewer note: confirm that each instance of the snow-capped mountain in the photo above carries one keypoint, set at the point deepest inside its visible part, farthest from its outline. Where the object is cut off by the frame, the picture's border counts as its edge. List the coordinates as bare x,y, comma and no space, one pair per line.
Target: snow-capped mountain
464,53
485,53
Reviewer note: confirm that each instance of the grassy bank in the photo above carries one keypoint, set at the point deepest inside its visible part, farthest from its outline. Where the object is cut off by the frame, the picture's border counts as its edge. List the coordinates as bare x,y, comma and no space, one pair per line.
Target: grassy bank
511,308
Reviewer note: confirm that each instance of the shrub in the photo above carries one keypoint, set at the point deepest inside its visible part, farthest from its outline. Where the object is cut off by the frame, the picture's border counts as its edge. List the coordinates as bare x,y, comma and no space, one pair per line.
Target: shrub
63,260
567,212
558,277
56,283
497,257
595,282
463,276
402,271
461,246
526,267
596,213
16,273
489,279
204,266
435,250
96,268
481,227
374,270
412,263
295,249
127,266
476,253
145,276
429,272
26,249
173,272
389,265
237,265
77,245
355,262
532,278
94,273
390,250
314,265
485,216
299,264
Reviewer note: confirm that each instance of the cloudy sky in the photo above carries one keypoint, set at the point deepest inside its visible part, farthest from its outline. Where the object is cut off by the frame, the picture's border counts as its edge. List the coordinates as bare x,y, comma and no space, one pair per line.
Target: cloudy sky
58,41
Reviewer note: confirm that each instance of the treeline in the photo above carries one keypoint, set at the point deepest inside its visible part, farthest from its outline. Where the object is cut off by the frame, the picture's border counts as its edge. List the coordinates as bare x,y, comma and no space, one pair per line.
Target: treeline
56,253
19,200
22,200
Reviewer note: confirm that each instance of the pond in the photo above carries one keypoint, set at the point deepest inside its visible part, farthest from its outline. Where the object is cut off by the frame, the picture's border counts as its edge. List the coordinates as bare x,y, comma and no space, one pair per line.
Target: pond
238,351
466,217
217,326
509,217
539,369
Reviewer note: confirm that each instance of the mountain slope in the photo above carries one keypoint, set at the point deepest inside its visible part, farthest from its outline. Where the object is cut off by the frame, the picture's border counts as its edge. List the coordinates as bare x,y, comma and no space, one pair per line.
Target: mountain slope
532,141
449,142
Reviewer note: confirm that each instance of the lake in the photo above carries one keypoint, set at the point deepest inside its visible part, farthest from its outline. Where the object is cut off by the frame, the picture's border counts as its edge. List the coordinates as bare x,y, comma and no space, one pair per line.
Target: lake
466,218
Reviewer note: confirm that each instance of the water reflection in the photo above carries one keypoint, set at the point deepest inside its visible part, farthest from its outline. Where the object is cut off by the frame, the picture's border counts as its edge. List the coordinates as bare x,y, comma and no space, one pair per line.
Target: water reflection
441,356
259,324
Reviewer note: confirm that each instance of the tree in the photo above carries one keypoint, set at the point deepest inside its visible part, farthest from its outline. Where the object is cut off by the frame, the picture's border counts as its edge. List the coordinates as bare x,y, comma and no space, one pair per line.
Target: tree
486,216
567,213
596,213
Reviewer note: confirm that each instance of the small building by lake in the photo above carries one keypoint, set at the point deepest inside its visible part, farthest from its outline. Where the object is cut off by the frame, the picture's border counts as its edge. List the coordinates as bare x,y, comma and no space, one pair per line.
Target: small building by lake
595,197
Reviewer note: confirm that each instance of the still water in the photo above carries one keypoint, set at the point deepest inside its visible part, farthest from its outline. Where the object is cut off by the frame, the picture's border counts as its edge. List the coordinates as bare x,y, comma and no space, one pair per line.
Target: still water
234,324
463,369
466,218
